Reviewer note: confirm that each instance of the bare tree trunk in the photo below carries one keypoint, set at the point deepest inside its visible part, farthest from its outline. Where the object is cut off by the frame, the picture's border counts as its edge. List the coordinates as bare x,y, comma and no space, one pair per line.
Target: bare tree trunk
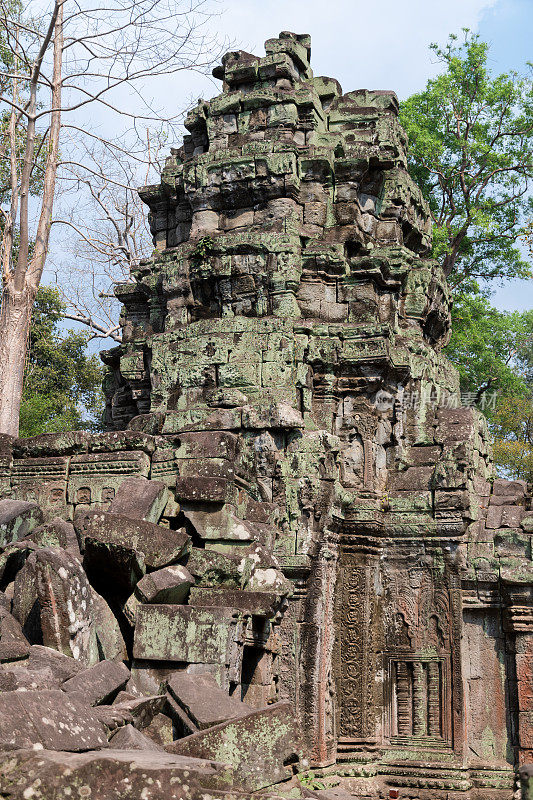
20,285
15,318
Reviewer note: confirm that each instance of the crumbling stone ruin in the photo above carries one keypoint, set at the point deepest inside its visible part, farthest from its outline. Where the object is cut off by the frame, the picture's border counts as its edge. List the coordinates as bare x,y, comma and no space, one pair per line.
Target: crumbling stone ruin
288,567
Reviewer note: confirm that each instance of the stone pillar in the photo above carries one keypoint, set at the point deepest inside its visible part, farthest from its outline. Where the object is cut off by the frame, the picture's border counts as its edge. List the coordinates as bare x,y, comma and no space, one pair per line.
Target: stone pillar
404,698
315,646
524,676
357,644
368,464
519,620
434,691
419,699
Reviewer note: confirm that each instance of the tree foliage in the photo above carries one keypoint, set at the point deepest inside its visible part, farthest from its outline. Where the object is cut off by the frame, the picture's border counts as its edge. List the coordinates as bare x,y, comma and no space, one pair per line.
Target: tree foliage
512,421
471,152
62,384
488,348
513,436
528,238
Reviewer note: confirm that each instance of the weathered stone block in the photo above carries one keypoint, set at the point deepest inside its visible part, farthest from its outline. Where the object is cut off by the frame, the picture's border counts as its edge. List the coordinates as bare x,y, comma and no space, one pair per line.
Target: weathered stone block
57,604
527,523
51,719
207,444
168,585
79,442
505,500
506,488
511,516
525,729
140,710
43,481
95,478
56,533
63,595
213,569
17,677
209,419
202,699
111,717
525,695
512,543
206,490
278,415
160,730
140,498
494,517
118,545
261,604
46,658
13,558
183,633
257,746
412,479
129,738
98,684
112,773
17,519
223,524
13,643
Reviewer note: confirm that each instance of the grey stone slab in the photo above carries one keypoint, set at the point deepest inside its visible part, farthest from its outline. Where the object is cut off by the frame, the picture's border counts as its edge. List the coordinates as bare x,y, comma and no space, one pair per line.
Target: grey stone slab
203,700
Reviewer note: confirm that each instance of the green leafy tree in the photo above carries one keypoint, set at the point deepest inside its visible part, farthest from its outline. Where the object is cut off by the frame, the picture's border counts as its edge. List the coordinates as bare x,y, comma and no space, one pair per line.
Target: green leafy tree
513,436
471,152
62,384
512,421
489,348
525,349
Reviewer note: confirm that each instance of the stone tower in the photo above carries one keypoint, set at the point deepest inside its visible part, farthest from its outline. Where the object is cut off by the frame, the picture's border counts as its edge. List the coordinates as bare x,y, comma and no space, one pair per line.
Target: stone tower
281,373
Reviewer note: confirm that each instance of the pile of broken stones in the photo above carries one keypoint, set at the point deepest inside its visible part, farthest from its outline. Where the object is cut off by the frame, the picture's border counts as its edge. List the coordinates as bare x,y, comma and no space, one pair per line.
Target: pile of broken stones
83,714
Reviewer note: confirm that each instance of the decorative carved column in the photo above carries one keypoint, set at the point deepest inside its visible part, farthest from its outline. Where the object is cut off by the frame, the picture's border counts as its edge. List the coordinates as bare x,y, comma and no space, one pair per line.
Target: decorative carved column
356,657
404,699
419,700
434,700
368,467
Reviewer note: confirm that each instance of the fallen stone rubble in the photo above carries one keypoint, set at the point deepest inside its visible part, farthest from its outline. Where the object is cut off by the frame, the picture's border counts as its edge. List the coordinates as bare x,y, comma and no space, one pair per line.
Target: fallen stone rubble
108,680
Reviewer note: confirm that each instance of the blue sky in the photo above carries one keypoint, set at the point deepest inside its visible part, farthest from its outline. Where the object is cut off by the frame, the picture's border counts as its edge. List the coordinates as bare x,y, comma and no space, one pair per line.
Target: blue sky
508,26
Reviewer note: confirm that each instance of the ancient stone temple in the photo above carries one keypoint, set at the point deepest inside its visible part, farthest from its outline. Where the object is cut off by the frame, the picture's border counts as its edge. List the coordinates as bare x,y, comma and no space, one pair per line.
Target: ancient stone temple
289,551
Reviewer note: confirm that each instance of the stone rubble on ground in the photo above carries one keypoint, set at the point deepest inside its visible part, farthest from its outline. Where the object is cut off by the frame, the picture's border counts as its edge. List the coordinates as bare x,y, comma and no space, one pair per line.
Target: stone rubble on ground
65,686
60,694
